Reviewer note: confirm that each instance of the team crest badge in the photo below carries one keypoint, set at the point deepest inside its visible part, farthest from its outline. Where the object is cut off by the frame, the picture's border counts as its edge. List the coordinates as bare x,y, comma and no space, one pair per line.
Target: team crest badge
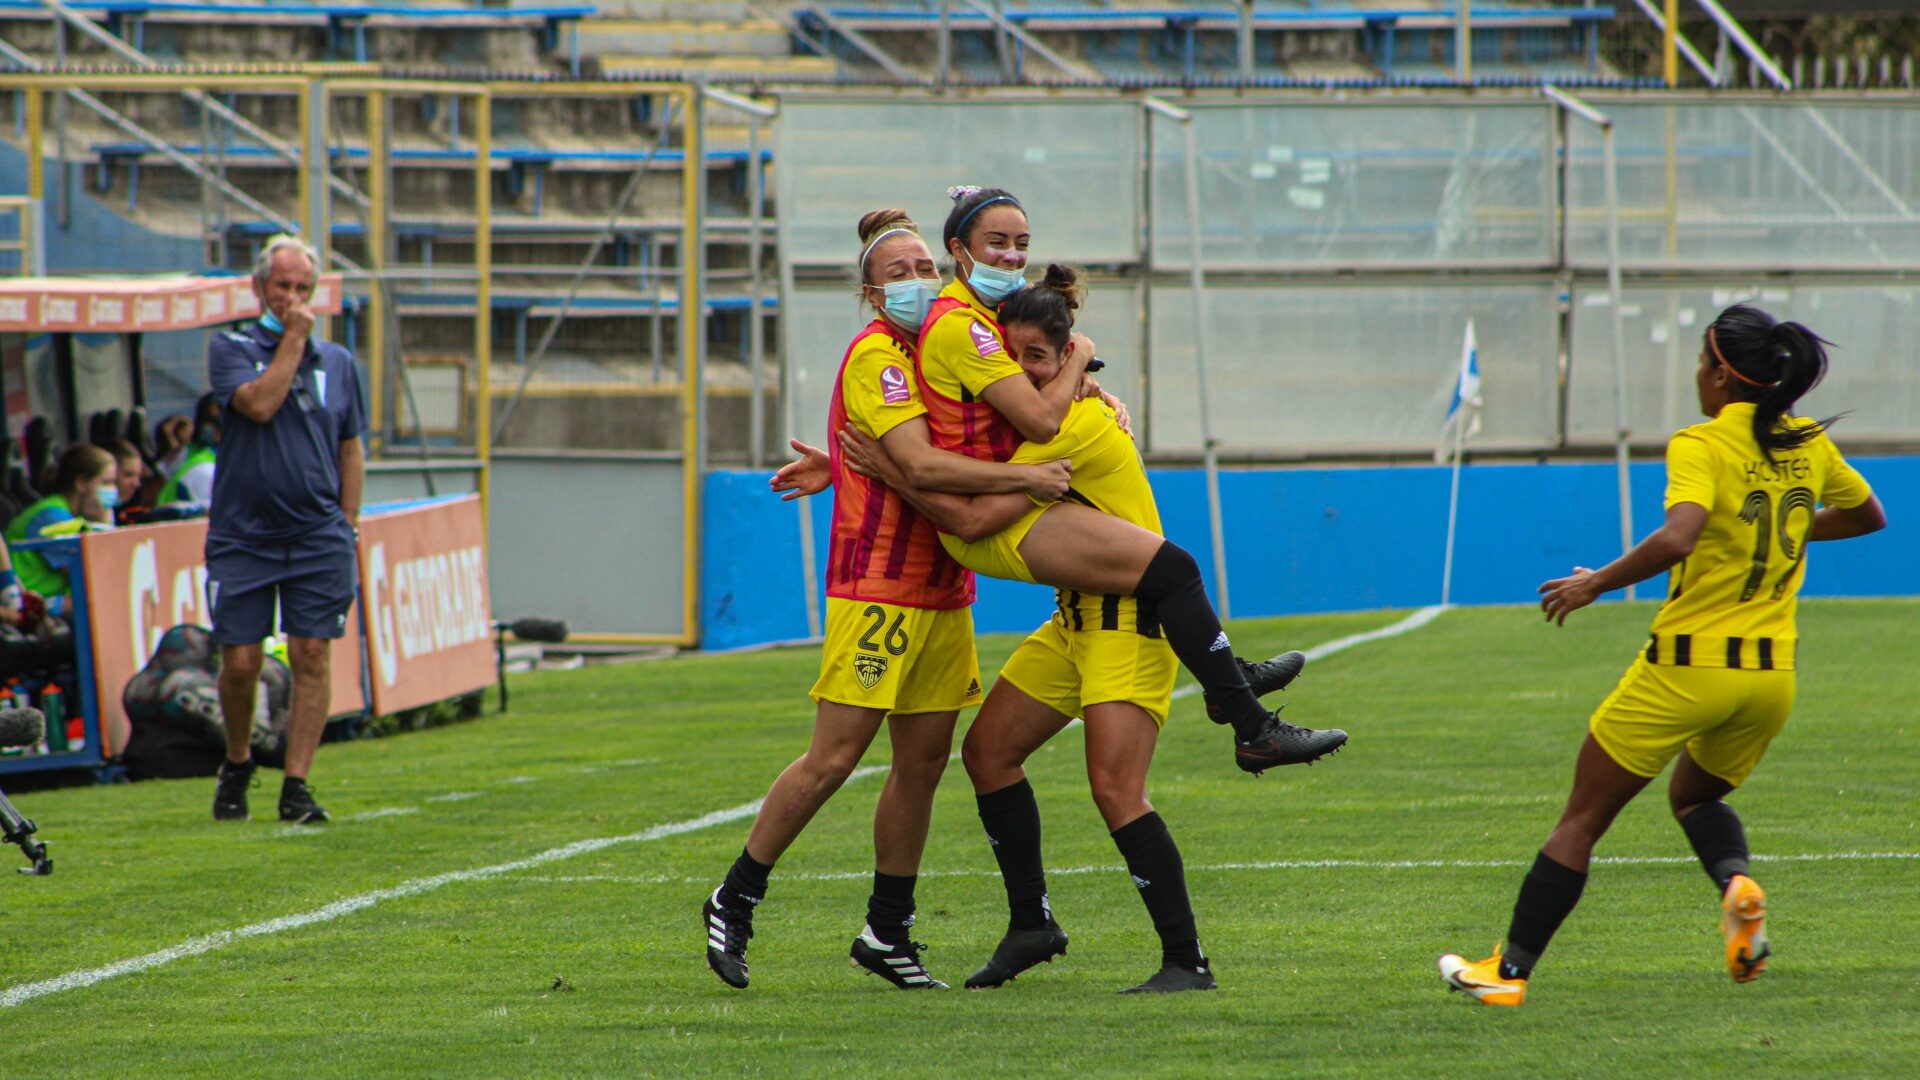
893,386
984,342
868,668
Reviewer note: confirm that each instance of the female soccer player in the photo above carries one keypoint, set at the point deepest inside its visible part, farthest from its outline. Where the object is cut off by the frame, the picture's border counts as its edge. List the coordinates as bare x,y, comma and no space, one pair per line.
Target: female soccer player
899,643
1715,683
980,403
1100,657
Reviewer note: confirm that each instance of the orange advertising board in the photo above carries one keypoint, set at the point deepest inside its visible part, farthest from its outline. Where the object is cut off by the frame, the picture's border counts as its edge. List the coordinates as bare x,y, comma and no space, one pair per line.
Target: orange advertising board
423,577
135,305
142,582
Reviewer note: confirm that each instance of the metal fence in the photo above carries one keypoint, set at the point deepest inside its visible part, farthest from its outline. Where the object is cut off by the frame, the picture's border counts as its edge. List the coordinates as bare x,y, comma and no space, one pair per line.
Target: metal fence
1346,243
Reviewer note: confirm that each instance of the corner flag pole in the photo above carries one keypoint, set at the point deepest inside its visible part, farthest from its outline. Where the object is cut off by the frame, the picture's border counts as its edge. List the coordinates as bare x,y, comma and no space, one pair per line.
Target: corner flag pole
1464,411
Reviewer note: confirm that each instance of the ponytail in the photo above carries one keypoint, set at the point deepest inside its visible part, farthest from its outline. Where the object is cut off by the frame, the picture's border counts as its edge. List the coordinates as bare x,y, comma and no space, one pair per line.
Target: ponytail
1048,305
1774,364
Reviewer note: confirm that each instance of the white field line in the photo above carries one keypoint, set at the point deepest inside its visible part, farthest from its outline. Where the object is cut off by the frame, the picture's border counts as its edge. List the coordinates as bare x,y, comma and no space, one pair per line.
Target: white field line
1407,625
74,980
1282,864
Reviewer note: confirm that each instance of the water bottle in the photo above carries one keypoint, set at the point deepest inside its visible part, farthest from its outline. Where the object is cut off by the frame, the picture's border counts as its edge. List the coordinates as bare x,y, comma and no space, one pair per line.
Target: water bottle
54,704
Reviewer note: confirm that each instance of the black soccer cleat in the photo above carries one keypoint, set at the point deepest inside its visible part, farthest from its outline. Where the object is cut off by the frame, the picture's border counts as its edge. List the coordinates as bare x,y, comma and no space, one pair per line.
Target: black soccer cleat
297,806
1172,979
1018,951
1269,675
898,964
1281,743
727,934
230,793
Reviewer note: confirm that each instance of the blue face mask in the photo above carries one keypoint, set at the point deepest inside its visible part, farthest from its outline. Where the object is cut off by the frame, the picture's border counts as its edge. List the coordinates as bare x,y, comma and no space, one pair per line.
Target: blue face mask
993,284
272,323
109,497
909,301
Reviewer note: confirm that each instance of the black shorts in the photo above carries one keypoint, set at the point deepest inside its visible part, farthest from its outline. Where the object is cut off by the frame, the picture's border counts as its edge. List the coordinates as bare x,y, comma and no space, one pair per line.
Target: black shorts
313,582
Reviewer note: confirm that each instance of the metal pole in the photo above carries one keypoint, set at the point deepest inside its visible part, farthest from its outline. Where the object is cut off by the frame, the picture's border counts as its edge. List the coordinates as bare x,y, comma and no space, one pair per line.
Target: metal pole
1669,45
62,192
1453,500
756,330
1463,42
1614,302
1246,43
377,176
946,44
1197,285
693,346
483,294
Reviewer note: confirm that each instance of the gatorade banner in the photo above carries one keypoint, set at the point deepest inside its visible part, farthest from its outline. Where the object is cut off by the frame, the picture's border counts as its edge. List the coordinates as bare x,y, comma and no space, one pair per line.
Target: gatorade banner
423,577
142,582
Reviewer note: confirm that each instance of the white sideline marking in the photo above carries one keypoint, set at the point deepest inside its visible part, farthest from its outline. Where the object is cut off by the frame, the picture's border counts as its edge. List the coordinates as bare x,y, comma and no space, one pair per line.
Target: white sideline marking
1320,652
385,811
1282,864
74,980
454,796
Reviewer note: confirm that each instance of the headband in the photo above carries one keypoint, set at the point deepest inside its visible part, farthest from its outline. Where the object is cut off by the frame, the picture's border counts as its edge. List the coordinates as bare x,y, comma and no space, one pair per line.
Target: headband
960,230
876,243
1714,344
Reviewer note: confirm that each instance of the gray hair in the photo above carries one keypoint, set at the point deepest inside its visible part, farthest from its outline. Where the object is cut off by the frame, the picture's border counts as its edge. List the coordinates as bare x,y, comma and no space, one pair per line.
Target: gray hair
263,266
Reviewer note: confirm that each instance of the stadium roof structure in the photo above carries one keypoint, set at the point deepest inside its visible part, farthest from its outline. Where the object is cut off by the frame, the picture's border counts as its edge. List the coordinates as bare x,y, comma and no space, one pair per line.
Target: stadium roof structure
138,305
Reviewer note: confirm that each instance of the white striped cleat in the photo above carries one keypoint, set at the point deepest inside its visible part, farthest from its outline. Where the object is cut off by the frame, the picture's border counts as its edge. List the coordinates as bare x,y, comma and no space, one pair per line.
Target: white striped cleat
898,964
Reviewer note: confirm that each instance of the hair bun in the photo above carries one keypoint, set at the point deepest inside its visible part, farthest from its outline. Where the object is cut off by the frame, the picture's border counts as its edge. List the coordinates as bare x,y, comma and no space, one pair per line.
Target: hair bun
1065,280
964,191
875,222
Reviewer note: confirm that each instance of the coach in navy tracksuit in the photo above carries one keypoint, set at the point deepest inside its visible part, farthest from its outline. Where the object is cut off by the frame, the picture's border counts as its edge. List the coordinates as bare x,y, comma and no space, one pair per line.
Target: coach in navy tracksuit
286,500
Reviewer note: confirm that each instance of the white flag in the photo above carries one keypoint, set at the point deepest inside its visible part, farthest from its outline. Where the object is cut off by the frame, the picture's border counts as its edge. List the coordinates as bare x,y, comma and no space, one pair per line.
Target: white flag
1465,407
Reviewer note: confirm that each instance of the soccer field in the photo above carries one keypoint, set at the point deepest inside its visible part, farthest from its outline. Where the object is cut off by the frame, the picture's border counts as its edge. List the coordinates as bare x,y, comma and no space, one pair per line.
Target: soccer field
520,895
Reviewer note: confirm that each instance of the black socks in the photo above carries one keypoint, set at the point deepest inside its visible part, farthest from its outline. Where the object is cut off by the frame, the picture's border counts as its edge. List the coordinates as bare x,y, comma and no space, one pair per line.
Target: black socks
1173,587
1012,820
1154,860
1715,833
746,883
1547,897
890,908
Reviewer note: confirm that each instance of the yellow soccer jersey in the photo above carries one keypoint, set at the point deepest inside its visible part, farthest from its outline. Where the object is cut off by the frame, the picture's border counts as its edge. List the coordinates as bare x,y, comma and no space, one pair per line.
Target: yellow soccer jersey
963,352
1108,476
877,387
1743,578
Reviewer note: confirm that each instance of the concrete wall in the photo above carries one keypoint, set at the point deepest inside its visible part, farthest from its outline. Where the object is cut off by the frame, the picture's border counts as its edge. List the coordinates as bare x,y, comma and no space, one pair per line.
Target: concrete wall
1307,540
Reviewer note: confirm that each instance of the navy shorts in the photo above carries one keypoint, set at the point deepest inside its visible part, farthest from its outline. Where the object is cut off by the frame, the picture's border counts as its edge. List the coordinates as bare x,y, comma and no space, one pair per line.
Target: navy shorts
313,581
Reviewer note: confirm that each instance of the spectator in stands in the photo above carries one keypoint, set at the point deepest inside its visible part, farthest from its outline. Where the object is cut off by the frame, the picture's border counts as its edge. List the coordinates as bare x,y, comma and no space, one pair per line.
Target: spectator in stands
191,481
286,500
172,438
85,491
132,472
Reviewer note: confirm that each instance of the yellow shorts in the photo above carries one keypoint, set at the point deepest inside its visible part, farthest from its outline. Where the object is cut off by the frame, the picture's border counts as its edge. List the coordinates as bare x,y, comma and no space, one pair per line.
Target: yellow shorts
901,659
1725,717
1067,670
998,556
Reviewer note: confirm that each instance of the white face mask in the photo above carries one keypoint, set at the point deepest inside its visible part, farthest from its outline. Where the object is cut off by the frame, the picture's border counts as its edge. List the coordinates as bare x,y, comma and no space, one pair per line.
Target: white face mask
992,284
907,302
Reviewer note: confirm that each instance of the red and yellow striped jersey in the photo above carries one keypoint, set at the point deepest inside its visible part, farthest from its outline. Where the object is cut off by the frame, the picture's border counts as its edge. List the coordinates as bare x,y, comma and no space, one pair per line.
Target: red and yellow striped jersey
962,352
883,550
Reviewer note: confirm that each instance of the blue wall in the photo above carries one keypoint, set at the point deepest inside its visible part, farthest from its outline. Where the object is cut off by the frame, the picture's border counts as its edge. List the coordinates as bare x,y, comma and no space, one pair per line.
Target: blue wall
1306,540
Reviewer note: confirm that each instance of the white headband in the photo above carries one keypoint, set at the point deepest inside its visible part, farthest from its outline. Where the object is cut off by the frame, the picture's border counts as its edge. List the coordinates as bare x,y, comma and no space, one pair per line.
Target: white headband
876,243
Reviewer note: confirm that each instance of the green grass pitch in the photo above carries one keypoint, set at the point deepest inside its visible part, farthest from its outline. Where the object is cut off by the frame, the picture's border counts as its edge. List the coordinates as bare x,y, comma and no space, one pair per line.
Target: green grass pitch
1323,894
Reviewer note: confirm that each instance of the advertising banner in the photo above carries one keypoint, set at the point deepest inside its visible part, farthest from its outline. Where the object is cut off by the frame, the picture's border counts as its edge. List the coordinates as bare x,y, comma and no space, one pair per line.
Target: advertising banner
423,577
143,581
136,305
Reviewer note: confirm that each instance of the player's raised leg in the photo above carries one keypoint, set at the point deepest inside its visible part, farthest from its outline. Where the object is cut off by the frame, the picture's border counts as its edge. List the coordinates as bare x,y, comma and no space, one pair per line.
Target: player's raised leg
1720,841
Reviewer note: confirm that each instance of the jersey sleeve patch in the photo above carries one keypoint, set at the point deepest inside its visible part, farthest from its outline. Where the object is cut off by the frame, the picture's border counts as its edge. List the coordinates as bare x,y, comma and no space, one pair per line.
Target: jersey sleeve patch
894,387
984,342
